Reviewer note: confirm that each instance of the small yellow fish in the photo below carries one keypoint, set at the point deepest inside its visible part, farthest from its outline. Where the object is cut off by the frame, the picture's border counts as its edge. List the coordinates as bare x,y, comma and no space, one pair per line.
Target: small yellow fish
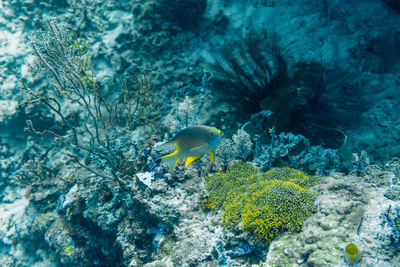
192,142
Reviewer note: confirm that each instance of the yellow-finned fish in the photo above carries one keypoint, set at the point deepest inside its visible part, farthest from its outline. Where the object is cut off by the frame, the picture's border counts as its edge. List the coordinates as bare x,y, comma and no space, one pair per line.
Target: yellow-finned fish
192,143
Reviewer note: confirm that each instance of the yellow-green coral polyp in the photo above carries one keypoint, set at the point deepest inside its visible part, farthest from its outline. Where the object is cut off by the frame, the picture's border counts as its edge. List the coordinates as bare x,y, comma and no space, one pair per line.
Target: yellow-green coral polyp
265,204
273,207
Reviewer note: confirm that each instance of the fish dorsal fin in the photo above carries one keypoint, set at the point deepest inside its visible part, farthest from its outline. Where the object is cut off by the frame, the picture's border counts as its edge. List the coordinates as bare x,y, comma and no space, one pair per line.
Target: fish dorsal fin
173,153
212,154
190,160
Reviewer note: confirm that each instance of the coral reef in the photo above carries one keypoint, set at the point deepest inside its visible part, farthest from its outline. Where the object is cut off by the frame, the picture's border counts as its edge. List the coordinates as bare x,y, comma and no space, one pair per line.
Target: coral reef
184,15
318,94
265,204
268,208
239,147
297,152
349,210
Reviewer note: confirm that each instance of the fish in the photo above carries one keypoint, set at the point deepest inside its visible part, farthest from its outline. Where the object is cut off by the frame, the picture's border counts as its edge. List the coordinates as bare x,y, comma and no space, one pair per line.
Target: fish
192,143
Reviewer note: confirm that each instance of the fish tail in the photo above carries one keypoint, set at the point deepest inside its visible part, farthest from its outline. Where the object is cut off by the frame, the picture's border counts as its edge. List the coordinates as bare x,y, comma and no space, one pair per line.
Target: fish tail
172,159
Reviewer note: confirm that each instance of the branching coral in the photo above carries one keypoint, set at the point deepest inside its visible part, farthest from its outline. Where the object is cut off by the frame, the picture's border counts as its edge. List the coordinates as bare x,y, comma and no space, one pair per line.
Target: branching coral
296,151
36,171
265,204
90,123
239,147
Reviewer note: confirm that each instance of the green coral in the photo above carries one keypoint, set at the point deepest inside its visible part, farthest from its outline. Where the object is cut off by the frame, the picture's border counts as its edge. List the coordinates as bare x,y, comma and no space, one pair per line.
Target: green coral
68,250
265,204
219,185
291,175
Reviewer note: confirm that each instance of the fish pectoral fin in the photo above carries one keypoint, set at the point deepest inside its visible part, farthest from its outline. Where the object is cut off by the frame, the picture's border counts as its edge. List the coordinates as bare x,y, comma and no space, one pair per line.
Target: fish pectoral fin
190,160
173,153
176,162
212,155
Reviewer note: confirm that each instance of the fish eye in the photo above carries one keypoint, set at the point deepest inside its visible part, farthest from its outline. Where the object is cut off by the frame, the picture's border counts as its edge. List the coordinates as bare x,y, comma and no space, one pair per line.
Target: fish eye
210,134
